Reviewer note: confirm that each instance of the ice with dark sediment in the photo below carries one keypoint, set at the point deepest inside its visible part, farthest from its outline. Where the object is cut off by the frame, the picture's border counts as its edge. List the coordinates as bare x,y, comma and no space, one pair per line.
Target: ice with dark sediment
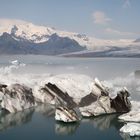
16,97
133,115
66,91
132,119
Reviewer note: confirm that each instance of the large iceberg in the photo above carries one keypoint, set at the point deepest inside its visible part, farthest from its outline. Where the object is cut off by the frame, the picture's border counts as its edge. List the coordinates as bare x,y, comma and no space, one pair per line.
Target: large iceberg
91,97
67,92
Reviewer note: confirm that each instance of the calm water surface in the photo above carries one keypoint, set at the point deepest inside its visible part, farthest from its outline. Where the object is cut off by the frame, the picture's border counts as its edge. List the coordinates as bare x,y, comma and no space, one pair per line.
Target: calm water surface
38,123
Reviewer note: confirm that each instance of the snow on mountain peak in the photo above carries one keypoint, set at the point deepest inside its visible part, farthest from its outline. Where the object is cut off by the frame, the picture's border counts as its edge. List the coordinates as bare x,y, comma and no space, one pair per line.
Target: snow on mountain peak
39,34
25,29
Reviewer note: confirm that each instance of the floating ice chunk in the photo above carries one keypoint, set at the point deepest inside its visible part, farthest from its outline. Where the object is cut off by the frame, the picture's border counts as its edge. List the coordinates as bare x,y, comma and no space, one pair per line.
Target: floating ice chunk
133,129
15,62
134,114
67,115
8,69
17,98
76,85
101,106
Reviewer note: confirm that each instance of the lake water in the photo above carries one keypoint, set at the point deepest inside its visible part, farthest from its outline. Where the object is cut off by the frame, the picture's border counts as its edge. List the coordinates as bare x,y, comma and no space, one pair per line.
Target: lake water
39,123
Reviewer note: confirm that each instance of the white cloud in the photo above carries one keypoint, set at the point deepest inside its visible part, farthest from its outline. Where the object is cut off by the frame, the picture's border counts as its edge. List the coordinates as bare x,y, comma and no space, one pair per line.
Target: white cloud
100,17
117,32
127,4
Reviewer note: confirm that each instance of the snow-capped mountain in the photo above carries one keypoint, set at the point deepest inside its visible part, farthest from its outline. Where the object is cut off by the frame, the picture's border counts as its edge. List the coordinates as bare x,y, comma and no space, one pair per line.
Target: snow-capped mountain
25,30
21,37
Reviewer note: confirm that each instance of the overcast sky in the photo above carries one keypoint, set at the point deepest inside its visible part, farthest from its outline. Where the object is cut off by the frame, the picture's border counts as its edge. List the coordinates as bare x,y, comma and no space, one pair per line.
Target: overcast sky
111,19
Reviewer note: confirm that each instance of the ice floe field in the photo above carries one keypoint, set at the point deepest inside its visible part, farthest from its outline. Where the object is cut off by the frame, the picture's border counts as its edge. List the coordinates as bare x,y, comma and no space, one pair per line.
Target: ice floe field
77,76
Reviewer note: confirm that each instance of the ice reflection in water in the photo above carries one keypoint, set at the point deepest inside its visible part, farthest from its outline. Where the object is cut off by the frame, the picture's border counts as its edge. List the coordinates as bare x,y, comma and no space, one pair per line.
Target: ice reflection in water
101,123
11,120
128,137
66,129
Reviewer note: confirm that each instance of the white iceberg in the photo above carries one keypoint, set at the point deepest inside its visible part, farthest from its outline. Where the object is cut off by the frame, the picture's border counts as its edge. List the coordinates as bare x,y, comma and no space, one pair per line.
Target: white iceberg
101,106
15,62
67,115
16,98
66,92
134,114
133,129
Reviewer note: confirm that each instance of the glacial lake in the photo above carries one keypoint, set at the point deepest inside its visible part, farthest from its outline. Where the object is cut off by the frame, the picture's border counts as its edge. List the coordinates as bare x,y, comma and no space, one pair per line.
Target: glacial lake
39,123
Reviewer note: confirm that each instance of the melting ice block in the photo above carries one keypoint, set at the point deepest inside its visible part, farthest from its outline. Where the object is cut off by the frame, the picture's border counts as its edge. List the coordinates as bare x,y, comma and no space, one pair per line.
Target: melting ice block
133,129
133,115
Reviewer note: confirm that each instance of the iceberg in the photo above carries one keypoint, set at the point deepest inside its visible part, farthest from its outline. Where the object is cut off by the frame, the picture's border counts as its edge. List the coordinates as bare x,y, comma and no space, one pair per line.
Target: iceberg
133,115
16,97
133,129
67,92
67,115
92,97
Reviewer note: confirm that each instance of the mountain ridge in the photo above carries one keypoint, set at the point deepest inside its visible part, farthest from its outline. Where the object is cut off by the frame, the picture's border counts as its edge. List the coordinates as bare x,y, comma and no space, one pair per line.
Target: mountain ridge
55,45
28,38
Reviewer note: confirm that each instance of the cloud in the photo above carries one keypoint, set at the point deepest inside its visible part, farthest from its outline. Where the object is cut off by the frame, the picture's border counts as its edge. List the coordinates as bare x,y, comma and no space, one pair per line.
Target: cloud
100,17
127,4
117,32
